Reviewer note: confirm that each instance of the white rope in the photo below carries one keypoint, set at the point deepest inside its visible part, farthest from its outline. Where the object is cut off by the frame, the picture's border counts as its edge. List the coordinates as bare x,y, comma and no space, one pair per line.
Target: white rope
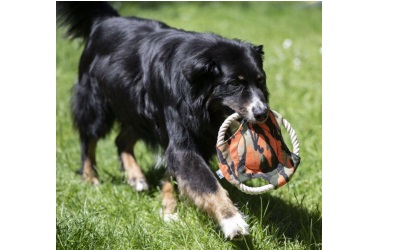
282,121
293,137
225,126
255,190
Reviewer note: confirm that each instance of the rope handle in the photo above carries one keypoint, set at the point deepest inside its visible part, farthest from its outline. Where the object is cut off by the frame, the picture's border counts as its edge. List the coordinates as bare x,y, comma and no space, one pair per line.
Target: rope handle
281,121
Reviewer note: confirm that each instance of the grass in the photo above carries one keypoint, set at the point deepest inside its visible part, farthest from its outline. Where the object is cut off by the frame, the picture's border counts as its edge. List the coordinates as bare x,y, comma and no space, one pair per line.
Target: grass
112,216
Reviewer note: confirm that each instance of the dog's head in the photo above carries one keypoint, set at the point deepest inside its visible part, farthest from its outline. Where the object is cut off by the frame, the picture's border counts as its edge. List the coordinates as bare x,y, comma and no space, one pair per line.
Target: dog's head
232,76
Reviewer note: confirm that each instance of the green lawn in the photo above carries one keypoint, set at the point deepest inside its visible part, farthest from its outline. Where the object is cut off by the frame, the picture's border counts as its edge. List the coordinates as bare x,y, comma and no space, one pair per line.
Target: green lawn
112,216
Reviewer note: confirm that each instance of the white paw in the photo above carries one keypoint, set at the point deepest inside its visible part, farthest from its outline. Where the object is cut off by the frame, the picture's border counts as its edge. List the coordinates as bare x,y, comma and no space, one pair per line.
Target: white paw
169,217
234,227
138,184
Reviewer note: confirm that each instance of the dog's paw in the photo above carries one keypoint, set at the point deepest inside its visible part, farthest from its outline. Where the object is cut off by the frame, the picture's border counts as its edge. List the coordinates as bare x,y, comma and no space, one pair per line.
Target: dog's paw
234,227
95,182
138,184
169,217
91,180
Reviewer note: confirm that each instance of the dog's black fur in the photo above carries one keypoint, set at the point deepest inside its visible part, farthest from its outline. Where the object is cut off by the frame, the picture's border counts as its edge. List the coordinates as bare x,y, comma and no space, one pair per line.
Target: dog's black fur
169,87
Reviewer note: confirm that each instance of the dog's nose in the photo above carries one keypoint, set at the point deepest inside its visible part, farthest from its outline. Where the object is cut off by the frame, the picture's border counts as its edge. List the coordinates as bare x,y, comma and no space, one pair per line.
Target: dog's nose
260,114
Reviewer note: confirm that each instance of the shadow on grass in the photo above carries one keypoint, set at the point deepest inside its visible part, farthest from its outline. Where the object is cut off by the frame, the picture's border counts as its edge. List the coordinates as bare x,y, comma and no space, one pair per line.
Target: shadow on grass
289,222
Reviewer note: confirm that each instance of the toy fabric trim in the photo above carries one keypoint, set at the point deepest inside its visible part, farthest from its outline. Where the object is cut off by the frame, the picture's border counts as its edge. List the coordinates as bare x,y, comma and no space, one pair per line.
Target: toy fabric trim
257,150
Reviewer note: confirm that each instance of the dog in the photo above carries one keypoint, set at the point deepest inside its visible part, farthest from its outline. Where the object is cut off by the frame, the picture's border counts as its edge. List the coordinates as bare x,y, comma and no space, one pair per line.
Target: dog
169,88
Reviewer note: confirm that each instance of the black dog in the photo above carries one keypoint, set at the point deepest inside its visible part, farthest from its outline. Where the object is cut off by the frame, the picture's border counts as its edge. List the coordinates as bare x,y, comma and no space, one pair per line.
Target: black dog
169,87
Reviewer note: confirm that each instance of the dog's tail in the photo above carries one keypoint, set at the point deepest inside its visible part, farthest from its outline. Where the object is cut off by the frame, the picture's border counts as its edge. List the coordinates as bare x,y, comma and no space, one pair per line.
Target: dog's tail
79,17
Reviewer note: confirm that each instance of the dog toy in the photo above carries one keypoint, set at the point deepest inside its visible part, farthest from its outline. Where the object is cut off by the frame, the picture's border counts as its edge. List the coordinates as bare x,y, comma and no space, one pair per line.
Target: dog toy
256,150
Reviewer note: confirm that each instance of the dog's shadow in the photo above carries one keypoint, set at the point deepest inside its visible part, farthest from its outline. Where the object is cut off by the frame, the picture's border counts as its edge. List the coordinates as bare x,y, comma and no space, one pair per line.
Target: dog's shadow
291,220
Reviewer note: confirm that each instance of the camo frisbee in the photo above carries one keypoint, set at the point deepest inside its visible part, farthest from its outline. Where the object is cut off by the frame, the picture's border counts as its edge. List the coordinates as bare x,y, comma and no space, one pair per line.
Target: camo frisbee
256,150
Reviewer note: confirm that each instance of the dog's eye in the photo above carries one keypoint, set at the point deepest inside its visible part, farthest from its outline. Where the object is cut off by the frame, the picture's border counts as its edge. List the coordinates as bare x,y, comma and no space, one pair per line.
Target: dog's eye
234,82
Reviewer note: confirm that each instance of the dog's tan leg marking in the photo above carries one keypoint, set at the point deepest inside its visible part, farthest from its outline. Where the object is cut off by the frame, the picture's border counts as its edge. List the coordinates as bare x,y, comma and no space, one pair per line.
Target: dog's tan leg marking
169,202
220,207
88,169
88,173
134,174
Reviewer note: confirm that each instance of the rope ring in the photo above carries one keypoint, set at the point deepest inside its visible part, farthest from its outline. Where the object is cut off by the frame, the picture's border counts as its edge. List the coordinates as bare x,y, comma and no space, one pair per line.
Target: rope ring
282,122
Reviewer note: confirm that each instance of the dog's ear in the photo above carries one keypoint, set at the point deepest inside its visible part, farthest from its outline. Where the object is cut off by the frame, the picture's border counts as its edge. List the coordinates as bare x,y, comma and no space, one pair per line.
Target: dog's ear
198,70
259,49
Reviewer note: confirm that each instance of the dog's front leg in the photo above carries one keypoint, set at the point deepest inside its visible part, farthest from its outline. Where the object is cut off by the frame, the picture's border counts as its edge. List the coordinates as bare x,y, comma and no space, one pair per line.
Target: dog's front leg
197,182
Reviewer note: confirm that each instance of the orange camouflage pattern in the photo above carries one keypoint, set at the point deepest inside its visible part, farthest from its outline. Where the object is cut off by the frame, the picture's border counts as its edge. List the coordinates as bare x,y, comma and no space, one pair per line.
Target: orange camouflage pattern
257,150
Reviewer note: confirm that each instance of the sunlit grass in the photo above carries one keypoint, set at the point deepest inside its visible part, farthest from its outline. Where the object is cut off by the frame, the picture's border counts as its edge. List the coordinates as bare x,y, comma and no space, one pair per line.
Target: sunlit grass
112,216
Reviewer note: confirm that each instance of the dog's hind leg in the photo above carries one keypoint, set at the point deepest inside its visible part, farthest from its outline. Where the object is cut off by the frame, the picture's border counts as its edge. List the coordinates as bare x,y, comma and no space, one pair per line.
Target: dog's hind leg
169,202
94,119
134,175
88,159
